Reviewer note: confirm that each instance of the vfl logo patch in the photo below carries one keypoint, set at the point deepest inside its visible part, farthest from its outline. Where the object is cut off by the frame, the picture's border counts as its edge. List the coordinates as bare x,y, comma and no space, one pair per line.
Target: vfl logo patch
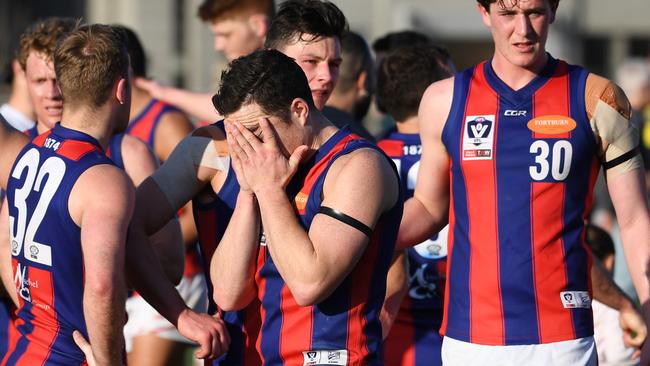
325,357
478,140
575,299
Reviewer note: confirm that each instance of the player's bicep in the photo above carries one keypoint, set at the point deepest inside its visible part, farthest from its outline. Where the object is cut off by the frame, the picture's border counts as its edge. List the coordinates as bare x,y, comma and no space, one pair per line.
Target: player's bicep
363,189
106,197
432,187
609,114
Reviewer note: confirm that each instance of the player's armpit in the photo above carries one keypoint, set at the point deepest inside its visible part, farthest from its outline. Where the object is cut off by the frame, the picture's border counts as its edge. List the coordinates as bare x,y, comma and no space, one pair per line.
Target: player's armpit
178,177
609,114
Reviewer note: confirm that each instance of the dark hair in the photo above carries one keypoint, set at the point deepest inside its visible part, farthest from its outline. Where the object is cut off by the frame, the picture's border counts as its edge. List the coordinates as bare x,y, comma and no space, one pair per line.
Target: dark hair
211,10
88,62
356,59
403,77
266,77
299,18
137,55
43,36
394,40
486,3
599,241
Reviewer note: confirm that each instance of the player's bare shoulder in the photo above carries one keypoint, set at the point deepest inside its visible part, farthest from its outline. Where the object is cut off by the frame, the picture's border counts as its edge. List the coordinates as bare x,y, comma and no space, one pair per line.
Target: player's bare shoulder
435,106
101,187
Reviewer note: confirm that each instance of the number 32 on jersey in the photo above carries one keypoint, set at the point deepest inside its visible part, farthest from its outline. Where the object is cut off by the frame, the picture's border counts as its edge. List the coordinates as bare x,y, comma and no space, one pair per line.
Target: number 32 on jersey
44,181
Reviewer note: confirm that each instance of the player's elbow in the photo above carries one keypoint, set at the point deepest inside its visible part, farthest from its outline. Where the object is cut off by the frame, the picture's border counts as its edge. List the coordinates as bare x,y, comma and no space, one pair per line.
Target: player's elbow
101,287
307,294
232,300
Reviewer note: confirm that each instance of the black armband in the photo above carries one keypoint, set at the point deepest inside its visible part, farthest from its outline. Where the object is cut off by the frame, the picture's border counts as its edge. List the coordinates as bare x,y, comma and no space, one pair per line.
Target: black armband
621,159
346,220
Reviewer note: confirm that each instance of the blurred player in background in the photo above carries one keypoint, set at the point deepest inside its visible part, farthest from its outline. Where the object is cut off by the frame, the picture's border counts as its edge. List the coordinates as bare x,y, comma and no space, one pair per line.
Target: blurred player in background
403,76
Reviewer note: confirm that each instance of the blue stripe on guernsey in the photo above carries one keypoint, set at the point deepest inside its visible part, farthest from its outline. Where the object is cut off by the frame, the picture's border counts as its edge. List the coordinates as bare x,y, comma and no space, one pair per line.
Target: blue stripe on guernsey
114,150
577,257
458,306
513,201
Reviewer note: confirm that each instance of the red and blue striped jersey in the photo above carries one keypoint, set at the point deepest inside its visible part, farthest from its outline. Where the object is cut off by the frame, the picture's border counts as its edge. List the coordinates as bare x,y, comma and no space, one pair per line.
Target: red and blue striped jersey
212,217
413,338
343,329
46,247
143,126
522,168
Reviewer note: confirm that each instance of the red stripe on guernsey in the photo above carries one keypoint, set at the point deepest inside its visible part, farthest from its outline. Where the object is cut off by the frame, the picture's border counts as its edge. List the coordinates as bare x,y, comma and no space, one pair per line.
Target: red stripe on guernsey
14,321
75,150
40,139
549,267
261,291
450,249
206,222
546,101
296,332
359,294
399,346
315,172
486,309
44,335
392,148
142,127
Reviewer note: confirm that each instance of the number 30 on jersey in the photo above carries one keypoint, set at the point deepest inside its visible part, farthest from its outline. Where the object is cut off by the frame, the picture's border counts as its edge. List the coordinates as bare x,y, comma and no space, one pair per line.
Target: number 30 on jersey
554,158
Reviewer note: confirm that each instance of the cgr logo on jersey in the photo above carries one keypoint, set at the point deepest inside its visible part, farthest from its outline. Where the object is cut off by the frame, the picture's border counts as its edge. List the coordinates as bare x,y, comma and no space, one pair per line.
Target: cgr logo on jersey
478,139
514,113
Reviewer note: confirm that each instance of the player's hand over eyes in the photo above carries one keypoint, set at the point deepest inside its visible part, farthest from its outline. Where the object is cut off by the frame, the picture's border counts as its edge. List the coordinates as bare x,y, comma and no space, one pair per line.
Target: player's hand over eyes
263,163
244,187
209,332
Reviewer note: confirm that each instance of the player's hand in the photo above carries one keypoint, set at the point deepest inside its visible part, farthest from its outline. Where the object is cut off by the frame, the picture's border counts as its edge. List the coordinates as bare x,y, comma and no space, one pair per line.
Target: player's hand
263,163
151,86
244,187
634,328
83,344
209,332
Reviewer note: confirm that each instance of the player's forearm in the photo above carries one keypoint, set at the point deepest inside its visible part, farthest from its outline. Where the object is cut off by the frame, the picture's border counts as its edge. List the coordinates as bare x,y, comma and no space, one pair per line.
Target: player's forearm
605,289
146,275
170,251
418,224
396,288
232,268
103,305
197,104
636,242
292,250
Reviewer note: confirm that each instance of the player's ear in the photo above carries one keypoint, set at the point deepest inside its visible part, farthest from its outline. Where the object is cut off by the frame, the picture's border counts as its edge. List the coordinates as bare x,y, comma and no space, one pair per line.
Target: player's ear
259,24
362,83
485,15
299,110
122,90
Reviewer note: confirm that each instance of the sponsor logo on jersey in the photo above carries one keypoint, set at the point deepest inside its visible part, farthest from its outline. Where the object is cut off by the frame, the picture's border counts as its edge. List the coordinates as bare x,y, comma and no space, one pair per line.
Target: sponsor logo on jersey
478,140
325,357
575,299
552,124
301,201
514,113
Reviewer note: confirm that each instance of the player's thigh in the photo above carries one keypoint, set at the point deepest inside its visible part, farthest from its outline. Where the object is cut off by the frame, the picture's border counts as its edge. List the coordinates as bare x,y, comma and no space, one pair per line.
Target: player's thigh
151,350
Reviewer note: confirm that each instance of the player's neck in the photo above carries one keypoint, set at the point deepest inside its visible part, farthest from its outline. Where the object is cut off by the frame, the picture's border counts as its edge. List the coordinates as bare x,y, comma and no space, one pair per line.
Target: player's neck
344,102
515,76
139,100
96,122
408,126
322,130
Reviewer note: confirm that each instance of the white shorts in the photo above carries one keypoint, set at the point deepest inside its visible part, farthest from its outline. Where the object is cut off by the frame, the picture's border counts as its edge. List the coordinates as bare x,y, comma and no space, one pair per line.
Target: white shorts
577,352
144,319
